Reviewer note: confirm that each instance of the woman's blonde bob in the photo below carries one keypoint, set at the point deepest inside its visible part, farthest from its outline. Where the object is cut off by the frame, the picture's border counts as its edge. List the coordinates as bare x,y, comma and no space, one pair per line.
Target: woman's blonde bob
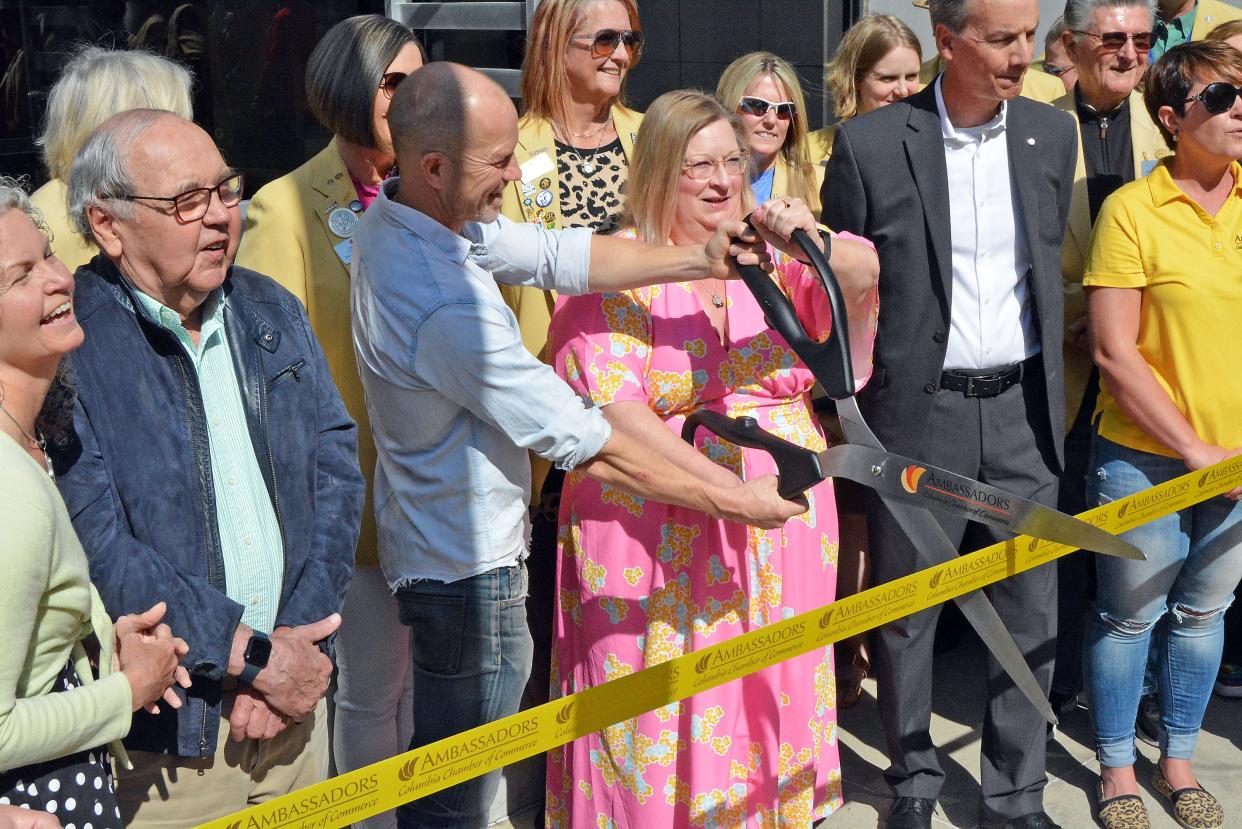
96,84
863,46
672,120
545,81
795,152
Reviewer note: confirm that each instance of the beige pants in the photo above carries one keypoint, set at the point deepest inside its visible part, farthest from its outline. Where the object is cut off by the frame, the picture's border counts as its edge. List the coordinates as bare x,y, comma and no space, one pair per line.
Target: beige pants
164,792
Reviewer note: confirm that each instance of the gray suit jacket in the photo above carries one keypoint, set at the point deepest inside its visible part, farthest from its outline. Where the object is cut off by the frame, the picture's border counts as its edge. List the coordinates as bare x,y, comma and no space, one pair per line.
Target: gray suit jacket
887,181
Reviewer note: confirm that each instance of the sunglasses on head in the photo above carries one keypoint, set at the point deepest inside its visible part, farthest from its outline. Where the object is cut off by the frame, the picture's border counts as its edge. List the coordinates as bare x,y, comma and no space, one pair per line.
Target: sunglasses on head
1116,41
759,107
605,41
390,82
1217,97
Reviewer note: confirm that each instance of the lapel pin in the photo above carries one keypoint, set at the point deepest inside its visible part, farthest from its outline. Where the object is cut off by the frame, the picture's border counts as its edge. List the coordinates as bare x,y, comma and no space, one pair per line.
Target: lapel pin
1031,141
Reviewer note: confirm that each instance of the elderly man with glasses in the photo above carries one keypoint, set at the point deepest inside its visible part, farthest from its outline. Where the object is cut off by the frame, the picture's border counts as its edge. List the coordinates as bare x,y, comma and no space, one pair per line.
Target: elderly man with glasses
1108,42
212,465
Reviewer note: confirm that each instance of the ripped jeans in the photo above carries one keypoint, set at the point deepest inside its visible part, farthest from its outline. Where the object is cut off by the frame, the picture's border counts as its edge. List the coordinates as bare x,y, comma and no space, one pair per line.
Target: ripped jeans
1194,562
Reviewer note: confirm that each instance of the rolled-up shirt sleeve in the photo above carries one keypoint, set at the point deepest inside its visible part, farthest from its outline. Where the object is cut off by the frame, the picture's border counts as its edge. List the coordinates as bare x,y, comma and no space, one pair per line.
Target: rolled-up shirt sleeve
530,254
473,355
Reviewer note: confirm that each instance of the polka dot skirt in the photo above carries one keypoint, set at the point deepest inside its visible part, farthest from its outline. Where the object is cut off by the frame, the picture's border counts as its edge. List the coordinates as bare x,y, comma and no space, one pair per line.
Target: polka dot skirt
77,789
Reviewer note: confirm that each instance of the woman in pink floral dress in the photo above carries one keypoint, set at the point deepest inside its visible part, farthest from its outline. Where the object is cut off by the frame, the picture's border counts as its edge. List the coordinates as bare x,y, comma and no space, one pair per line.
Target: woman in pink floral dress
641,582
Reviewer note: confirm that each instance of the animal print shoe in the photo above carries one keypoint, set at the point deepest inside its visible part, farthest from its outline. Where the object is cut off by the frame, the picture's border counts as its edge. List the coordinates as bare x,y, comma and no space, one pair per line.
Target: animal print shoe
1193,808
1125,811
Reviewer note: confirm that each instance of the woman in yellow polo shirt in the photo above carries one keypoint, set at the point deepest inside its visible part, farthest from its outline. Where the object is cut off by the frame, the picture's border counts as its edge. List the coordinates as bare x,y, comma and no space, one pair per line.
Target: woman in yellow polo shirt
1164,300
299,231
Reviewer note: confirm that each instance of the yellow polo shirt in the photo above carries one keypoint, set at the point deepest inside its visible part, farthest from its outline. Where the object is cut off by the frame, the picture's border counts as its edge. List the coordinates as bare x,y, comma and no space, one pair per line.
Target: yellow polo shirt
1188,264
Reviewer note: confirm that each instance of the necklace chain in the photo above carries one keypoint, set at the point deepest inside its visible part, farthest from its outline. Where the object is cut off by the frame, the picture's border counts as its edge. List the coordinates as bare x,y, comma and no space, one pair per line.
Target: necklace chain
586,163
36,441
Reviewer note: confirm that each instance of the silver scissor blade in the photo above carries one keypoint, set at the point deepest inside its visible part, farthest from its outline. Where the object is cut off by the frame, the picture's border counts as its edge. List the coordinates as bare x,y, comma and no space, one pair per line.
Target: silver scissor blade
905,479
932,546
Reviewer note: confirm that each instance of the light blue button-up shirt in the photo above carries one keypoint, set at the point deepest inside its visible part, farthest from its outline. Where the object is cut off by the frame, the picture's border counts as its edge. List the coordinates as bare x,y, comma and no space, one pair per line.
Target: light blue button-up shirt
250,542
455,399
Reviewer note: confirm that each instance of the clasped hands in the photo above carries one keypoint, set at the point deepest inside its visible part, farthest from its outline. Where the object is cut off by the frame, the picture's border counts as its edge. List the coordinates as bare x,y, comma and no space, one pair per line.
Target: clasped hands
289,688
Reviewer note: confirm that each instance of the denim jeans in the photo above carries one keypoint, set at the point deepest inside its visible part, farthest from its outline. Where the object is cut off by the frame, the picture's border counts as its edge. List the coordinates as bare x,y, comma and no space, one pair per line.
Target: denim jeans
1194,561
472,653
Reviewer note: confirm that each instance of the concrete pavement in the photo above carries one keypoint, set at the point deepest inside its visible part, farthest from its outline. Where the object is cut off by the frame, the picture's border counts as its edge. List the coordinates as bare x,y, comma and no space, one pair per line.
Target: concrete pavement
1072,771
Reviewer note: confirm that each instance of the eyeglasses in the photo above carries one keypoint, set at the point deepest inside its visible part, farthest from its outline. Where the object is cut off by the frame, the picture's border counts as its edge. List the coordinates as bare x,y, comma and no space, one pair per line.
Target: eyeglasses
702,170
1056,71
605,41
759,107
1115,41
192,205
1217,97
390,82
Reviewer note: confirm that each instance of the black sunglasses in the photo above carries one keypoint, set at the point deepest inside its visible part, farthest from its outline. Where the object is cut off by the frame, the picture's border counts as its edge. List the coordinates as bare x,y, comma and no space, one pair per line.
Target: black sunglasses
390,82
1116,41
605,41
1056,71
759,107
1217,97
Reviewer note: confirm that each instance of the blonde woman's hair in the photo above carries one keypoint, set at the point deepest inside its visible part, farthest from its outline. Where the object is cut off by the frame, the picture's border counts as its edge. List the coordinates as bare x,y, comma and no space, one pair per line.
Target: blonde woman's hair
545,81
673,119
795,152
1224,31
863,46
96,84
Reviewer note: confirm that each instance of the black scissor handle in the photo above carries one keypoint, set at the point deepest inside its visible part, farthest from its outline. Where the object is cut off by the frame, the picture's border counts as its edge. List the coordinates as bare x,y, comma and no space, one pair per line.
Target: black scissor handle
796,466
830,360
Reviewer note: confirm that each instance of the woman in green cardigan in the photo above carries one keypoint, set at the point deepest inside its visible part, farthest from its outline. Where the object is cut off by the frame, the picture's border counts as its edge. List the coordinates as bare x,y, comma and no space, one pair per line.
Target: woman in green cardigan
69,679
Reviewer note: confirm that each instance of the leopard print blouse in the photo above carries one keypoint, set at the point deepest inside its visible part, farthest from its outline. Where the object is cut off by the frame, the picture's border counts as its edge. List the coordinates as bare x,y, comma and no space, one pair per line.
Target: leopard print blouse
594,200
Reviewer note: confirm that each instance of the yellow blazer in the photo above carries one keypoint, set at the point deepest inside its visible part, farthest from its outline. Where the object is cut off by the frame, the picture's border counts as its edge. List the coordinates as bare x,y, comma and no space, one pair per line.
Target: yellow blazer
1036,85
536,153
1210,14
51,200
821,147
1148,146
287,237
780,181
536,142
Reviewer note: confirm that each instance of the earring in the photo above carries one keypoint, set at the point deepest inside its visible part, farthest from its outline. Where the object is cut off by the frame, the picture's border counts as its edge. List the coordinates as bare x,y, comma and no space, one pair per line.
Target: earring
1176,135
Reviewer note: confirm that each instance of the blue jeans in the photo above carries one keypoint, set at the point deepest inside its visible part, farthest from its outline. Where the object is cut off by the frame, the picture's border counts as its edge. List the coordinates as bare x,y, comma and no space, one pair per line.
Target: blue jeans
1194,561
472,654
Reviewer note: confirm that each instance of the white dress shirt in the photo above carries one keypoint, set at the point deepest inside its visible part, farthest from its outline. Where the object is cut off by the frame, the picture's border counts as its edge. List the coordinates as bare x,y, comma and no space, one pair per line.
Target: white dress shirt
992,322
455,399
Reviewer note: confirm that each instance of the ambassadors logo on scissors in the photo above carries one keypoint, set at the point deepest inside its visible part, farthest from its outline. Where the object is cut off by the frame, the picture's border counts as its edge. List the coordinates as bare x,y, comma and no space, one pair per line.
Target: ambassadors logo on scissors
965,496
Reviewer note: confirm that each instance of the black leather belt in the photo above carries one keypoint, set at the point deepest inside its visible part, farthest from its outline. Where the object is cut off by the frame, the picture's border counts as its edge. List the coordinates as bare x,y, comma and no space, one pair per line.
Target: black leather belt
987,382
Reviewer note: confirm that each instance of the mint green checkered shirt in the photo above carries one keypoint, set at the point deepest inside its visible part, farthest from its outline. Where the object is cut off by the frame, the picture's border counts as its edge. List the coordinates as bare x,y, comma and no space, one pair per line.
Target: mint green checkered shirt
254,560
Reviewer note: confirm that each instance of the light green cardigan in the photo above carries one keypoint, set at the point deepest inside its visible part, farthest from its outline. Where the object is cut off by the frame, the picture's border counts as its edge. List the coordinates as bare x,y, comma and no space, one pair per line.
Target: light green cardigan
49,606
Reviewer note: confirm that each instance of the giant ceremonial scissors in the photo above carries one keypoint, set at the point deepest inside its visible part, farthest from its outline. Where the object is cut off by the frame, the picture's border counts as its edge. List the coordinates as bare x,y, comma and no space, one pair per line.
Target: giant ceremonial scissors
908,488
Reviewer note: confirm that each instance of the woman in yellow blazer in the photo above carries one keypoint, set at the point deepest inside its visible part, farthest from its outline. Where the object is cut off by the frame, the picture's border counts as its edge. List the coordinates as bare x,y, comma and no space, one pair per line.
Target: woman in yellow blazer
299,231
576,136
876,63
764,90
95,85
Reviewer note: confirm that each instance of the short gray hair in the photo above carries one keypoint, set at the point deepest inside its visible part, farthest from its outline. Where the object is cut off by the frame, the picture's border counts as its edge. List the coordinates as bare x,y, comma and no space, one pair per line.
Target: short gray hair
345,70
1080,14
101,174
951,14
13,196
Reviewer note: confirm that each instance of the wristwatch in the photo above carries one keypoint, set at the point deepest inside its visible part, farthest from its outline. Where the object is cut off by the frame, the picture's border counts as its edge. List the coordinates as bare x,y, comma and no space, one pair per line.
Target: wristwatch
258,651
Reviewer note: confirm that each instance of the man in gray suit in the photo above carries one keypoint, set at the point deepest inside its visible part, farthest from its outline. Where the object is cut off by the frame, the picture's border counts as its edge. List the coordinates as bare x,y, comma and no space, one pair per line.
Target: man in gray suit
965,189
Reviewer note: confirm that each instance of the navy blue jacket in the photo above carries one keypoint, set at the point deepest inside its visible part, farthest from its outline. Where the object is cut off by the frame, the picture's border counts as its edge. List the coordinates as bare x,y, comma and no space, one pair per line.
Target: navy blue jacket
136,475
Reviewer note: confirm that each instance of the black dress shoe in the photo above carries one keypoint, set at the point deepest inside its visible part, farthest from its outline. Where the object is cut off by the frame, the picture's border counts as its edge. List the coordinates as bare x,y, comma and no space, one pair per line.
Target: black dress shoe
911,813
1035,820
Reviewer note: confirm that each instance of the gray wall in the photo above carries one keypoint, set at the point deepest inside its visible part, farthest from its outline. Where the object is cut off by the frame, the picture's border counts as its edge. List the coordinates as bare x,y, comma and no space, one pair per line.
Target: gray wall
690,42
